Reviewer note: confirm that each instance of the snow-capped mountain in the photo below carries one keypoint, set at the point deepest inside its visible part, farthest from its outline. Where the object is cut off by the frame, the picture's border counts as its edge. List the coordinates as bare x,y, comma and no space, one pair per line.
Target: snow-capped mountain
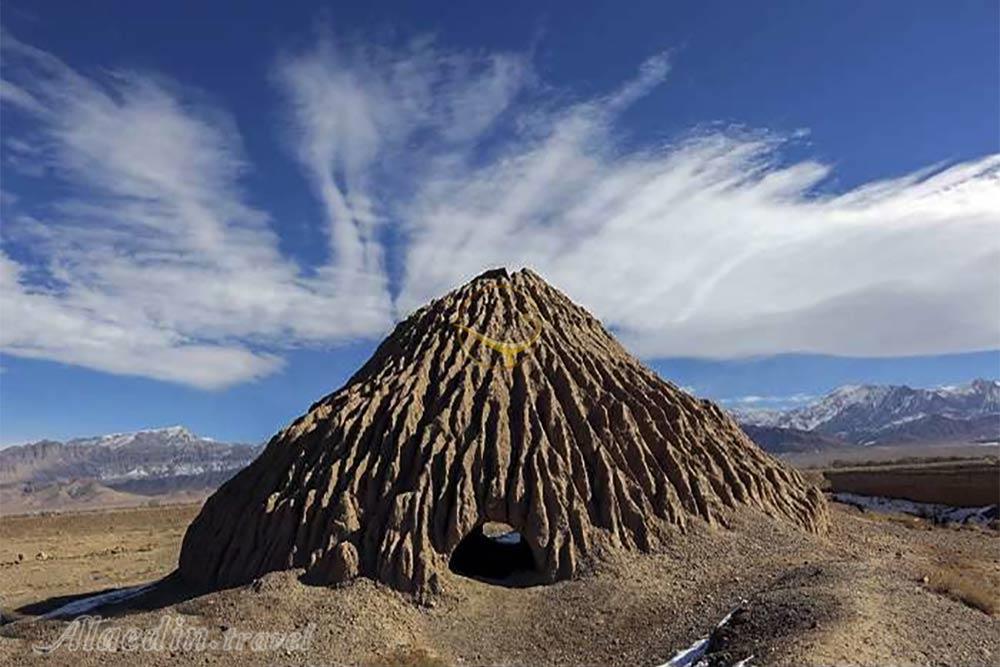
872,414
148,463
171,435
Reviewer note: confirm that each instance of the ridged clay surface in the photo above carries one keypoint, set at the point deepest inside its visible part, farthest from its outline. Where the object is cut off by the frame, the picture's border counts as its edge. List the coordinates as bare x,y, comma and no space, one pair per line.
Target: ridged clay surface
502,401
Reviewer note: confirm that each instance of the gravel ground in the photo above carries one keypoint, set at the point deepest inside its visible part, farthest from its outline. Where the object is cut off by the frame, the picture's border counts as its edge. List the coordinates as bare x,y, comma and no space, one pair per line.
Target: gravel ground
855,596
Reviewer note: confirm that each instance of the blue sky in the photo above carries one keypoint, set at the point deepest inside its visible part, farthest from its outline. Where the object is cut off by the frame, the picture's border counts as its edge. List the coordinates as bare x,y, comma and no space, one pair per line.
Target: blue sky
211,216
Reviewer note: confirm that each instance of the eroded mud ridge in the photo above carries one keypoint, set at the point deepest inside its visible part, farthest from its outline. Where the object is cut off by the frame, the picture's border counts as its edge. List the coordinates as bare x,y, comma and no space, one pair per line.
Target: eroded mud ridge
539,419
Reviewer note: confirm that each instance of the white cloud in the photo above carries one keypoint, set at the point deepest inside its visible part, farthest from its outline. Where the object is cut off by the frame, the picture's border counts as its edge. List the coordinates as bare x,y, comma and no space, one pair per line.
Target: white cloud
769,400
364,120
433,165
156,265
712,246
715,247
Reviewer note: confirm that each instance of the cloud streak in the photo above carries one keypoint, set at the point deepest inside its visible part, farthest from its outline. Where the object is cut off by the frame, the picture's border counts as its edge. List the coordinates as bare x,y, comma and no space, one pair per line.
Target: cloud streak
155,265
432,165
714,245
363,118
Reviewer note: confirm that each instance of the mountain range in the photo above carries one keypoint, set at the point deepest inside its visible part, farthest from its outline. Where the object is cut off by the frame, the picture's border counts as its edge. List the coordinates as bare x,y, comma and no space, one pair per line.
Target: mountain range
175,465
865,415
121,469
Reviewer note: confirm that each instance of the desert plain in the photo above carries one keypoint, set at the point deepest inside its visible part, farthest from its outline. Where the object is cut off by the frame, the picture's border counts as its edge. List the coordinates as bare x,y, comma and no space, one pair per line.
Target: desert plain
875,589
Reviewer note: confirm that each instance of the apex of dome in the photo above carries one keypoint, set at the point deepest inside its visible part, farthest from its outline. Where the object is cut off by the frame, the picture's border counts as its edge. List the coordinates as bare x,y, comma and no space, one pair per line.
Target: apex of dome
499,273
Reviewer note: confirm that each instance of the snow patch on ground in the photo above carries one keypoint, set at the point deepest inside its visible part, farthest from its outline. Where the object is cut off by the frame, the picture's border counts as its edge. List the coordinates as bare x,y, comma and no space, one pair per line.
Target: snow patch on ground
84,605
933,511
693,654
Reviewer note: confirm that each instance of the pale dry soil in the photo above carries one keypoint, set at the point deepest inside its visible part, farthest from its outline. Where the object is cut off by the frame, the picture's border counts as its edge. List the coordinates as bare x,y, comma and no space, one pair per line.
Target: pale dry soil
855,596
78,552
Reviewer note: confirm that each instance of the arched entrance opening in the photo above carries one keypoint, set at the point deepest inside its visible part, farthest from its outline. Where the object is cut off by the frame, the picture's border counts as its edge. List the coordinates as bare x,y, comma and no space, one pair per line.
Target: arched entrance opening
496,553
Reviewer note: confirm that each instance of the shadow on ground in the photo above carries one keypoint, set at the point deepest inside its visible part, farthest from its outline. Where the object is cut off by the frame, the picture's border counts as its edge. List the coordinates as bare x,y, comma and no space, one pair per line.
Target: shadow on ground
166,592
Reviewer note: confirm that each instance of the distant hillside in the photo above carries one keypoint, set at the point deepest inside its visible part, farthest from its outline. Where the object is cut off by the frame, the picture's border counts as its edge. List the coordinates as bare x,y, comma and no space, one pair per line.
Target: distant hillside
120,469
881,415
779,440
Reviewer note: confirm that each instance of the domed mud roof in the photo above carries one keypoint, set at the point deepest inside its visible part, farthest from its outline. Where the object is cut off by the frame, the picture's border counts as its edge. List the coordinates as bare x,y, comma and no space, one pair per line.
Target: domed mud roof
502,401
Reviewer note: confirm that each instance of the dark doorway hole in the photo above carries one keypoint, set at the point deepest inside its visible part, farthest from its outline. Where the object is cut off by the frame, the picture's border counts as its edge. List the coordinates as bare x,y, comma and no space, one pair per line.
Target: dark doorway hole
495,552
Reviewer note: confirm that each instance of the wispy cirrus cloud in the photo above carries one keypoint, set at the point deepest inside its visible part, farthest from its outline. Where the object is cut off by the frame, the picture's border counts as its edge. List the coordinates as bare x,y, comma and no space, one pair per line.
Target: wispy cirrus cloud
153,263
364,120
715,245
769,401
431,165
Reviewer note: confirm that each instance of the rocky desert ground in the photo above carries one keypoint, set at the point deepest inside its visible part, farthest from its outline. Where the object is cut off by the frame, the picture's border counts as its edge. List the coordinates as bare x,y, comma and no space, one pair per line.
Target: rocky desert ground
647,528
875,590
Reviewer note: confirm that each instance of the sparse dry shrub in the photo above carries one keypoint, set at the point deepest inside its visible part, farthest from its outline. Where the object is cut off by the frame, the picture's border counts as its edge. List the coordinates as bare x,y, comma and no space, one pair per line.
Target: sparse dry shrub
967,583
907,520
409,656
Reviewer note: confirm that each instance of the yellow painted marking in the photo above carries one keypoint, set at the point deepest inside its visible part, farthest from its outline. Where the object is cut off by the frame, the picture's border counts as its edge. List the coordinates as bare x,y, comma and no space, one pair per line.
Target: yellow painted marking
508,350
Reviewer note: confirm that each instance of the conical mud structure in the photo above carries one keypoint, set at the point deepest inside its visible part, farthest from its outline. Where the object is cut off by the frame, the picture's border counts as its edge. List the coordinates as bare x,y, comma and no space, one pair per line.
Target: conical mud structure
503,401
